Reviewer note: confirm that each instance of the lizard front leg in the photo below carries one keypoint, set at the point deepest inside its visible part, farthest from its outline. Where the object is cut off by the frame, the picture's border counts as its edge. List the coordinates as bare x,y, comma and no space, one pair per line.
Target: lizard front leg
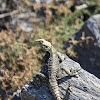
61,56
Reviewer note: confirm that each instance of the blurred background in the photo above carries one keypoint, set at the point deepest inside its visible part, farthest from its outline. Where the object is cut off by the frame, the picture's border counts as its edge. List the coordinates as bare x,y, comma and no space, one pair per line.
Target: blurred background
72,26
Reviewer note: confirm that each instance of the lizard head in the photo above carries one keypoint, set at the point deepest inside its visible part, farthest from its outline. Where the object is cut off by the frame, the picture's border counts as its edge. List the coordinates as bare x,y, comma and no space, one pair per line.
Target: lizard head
44,44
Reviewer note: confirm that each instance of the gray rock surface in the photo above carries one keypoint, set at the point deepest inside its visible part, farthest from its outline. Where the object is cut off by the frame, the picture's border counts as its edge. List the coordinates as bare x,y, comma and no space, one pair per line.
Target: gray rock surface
91,28
16,95
84,87
77,2
88,55
48,1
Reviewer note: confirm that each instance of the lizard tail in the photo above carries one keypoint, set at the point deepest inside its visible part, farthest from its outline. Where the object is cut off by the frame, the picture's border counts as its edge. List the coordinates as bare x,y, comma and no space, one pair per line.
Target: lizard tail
53,85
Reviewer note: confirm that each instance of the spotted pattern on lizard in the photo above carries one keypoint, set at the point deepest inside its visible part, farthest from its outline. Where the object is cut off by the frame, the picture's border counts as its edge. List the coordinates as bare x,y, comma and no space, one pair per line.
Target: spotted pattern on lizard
53,70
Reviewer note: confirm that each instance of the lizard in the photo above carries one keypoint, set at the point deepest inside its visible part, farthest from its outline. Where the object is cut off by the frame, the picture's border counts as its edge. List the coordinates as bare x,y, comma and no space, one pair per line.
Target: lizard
53,69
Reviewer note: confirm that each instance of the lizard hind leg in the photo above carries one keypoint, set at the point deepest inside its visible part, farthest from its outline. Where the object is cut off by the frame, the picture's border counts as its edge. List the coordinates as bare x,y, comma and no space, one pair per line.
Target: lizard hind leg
42,77
38,80
72,72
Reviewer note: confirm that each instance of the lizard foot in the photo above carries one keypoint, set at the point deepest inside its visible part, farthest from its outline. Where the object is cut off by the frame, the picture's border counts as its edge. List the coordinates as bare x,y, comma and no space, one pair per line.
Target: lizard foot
74,71
38,80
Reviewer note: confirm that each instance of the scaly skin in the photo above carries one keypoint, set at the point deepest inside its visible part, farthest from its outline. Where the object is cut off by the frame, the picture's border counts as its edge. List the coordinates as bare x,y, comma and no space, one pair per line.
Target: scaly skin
53,70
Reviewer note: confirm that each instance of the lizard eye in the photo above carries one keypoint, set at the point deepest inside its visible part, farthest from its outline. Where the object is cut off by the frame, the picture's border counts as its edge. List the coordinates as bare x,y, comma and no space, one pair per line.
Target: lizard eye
41,41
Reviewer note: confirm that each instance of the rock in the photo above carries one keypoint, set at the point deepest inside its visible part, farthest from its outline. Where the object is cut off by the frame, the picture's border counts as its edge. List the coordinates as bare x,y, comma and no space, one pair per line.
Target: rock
48,1
88,55
78,2
84,6
43,1
83,87
24,23
7,10
91,28
16,95
3,4
2,92
22,20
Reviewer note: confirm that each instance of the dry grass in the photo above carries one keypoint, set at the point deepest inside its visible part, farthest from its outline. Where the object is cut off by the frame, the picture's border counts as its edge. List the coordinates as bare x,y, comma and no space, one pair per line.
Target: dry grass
19,62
